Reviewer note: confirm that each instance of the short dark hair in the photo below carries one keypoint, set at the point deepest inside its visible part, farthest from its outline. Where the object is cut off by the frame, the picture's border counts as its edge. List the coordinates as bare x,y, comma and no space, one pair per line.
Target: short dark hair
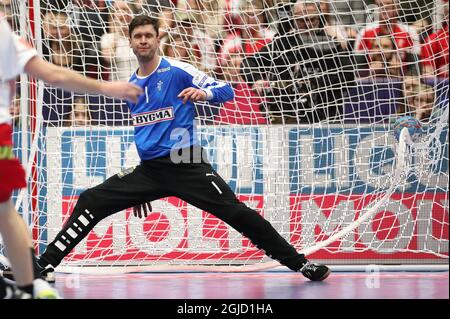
141,20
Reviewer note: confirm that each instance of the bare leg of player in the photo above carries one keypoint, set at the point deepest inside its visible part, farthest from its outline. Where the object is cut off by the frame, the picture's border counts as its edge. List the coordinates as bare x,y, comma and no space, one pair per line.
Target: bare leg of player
17,242
18,245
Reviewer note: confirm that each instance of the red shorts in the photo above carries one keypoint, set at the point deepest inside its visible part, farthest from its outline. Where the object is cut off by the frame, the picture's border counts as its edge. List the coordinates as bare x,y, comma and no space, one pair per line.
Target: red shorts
12,174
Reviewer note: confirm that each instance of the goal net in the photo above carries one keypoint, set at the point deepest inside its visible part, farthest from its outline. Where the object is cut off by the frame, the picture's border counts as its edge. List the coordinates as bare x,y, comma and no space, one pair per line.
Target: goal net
308,140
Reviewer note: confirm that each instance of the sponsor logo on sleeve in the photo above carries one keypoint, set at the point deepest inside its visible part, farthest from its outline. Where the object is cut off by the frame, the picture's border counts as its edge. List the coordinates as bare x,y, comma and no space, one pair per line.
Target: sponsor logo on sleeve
200,79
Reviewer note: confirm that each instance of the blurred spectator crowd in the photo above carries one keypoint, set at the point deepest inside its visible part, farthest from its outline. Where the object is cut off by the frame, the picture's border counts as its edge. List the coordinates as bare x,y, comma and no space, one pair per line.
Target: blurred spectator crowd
290,62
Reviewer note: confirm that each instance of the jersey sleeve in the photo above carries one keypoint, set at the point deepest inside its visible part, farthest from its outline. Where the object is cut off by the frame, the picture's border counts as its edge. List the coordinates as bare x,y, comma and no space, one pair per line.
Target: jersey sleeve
25,53
8,52
14,52
216,91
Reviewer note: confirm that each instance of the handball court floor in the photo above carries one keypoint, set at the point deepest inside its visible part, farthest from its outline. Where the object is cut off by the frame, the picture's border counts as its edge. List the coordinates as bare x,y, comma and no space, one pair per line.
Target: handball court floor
255,285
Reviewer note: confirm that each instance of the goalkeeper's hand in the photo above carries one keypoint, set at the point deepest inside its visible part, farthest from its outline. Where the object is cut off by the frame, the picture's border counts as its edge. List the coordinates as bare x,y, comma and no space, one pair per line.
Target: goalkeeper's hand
193,95
142,210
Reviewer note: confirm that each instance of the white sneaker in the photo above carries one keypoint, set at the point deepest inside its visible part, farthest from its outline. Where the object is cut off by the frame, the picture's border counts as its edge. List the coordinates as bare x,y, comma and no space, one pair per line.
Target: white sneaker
42,290
48,273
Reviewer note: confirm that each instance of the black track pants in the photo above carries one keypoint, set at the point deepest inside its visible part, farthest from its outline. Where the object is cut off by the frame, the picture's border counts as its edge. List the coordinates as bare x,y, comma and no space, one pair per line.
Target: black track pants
196,183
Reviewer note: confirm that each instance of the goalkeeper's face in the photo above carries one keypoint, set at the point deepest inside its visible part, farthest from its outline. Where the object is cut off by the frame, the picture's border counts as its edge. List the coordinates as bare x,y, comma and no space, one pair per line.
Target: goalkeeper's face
145,43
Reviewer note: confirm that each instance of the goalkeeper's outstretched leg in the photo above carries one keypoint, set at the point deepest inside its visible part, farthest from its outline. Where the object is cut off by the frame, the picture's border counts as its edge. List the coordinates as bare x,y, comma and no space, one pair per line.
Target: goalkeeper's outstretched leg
121,191
201,186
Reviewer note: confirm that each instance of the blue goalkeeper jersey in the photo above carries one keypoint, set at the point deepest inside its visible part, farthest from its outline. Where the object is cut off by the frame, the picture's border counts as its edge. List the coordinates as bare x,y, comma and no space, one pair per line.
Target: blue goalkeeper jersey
161,121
